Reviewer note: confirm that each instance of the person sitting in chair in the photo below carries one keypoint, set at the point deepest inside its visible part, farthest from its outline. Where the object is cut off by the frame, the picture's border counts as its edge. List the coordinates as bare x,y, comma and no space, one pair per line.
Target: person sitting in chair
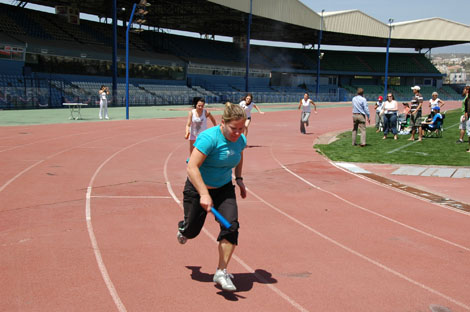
434,120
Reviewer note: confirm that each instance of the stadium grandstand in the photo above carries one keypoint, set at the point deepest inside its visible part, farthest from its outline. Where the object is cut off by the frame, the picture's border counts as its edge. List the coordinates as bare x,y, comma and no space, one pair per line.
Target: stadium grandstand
47,59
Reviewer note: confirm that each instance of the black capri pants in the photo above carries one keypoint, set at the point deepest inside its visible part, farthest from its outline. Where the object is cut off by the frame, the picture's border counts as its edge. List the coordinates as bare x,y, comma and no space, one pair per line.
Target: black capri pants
194,215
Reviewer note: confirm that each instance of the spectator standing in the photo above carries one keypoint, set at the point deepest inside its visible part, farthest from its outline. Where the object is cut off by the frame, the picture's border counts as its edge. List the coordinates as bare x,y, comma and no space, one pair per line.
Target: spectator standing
390,109
378,108
416,112
360,114
435,101
103,92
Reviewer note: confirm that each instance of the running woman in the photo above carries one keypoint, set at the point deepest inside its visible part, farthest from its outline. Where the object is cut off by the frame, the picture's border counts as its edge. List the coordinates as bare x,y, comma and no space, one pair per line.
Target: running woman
197,121
247,104
305,104
216,152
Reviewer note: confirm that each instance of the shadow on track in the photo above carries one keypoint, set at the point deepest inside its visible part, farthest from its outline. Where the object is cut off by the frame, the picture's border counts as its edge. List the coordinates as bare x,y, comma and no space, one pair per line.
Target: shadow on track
243,281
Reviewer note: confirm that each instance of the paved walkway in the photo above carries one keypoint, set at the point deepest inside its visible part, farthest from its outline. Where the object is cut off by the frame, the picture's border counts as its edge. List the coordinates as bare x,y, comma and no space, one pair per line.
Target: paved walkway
440,184
423,171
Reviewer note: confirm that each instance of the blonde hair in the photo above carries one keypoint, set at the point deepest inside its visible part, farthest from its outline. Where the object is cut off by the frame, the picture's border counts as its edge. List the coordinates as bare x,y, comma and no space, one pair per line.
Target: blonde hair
435,93
233,112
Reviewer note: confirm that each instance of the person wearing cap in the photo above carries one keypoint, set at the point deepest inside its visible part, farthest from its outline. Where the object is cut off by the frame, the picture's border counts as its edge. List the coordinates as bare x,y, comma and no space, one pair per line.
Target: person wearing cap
435,101
360,113
433,122
416,112
378,118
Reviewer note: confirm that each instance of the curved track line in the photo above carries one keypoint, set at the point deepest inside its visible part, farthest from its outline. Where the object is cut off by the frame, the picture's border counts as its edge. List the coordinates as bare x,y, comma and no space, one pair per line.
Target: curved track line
234,256
364,257
367,210
99,259
48,157
399,190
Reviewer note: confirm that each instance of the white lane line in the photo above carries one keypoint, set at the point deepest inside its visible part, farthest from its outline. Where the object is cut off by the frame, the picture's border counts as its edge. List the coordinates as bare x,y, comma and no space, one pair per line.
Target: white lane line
132,197
364,257
413,142
369,211
234,256
402,147
99,259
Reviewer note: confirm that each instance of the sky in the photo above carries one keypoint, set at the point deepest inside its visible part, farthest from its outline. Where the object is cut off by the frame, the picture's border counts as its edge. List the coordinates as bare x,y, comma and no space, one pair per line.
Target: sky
398,10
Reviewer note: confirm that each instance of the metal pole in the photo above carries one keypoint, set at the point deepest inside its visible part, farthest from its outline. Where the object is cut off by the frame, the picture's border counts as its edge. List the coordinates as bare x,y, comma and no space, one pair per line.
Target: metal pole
390,21
247,71
319,55
114,87
129,24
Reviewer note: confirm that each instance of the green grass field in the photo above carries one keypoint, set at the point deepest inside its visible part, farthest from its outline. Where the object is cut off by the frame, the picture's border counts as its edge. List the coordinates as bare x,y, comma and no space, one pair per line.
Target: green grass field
61,115
431,151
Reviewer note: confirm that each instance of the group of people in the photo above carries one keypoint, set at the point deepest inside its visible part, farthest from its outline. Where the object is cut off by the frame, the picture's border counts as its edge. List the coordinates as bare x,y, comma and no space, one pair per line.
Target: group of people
216,155
387,115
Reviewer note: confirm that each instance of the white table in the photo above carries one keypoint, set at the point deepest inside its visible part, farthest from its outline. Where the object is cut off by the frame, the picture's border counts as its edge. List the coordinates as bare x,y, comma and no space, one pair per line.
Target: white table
75,108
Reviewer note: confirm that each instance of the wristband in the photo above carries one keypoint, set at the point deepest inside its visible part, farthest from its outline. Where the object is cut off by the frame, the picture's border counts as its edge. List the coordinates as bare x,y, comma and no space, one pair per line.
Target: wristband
239,178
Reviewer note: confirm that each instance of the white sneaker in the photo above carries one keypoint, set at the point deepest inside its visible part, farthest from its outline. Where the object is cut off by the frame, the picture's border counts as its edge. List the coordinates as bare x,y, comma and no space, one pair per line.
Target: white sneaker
222,278
106,117
101,118
181,238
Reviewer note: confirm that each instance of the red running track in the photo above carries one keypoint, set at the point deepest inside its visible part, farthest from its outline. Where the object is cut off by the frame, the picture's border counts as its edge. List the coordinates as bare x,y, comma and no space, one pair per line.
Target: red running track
89,215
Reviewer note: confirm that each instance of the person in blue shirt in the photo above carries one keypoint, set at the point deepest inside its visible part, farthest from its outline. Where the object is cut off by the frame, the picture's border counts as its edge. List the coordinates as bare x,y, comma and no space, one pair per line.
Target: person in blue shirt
360,113
216,152
433,122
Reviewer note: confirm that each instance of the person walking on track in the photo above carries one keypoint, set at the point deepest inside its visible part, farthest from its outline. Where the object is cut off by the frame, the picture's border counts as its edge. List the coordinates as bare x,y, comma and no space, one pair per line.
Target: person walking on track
305,104
217,151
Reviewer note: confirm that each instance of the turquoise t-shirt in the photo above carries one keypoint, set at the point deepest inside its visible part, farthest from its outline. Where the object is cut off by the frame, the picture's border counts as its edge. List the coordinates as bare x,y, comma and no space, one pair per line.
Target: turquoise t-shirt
222,156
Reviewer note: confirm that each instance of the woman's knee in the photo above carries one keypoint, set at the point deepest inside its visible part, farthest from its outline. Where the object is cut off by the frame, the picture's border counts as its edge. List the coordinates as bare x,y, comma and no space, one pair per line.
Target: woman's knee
230,234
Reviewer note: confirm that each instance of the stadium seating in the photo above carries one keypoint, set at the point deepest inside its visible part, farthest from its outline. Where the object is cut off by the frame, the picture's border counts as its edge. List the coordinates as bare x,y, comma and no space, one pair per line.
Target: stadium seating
218,77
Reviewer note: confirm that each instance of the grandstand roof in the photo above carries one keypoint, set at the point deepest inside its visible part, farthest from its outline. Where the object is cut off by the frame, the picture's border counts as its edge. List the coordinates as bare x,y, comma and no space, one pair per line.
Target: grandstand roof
283,20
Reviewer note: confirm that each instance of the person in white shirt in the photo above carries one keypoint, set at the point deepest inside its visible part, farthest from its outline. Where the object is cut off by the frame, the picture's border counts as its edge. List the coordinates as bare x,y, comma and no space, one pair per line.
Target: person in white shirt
435,101
103,92
389,112
247,104
197,121
305,104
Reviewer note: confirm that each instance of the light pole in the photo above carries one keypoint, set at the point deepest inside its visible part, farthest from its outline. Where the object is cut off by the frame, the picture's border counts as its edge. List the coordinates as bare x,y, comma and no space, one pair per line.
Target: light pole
390,21
319,56
143,4
247,71
127,59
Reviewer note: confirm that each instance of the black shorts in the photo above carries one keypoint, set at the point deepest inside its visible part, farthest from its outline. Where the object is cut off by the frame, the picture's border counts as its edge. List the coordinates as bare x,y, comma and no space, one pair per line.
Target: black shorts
225,202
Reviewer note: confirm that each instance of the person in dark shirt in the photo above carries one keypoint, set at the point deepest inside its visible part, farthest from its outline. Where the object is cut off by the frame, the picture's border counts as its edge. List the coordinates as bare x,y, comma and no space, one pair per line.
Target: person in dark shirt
415,109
